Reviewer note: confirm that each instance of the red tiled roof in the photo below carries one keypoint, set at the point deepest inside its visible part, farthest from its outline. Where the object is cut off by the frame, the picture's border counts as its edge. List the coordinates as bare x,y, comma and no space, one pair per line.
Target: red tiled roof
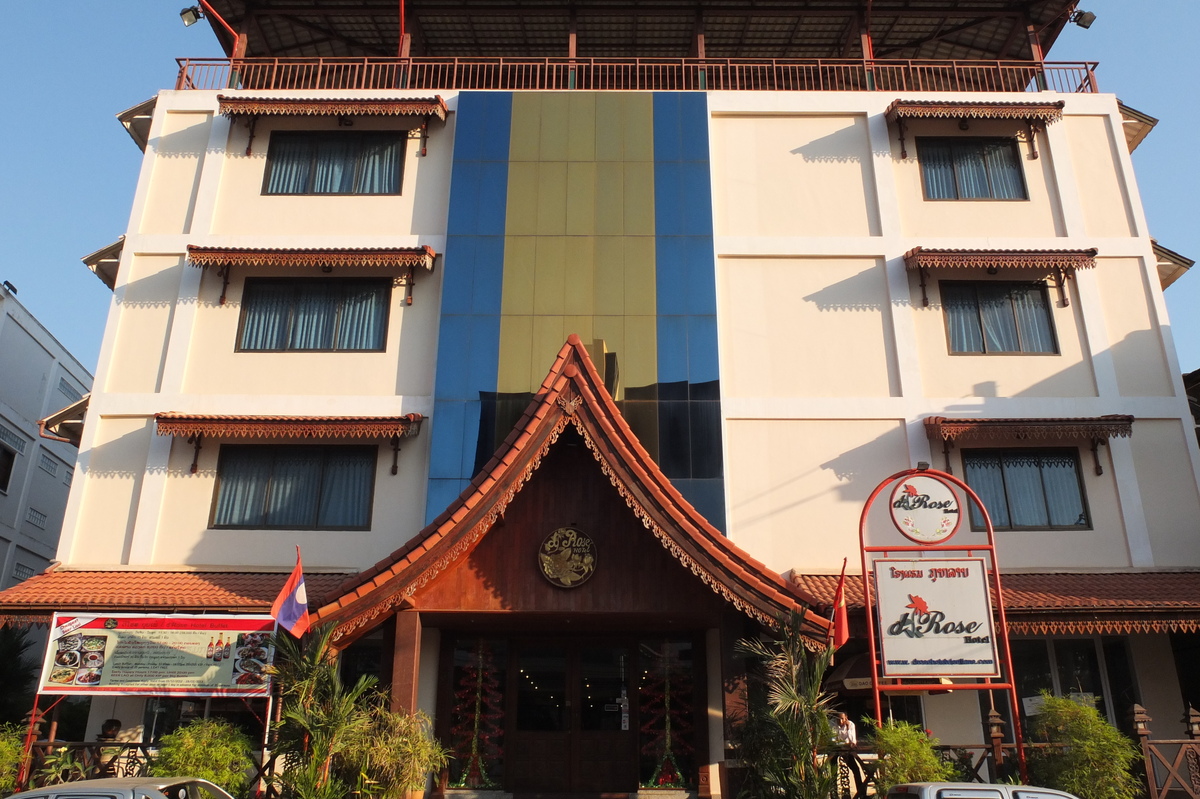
155,592
572,394
1109,602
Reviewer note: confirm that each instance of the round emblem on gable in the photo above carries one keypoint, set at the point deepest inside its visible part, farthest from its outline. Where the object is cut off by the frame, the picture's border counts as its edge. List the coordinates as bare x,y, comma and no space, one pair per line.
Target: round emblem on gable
925,509
567,557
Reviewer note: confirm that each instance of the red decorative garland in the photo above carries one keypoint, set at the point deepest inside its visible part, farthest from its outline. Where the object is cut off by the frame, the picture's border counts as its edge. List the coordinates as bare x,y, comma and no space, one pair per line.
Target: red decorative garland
477,725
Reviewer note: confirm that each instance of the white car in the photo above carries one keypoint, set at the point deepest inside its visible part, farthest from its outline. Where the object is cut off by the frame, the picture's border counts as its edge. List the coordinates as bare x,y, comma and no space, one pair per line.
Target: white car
129,788
972,790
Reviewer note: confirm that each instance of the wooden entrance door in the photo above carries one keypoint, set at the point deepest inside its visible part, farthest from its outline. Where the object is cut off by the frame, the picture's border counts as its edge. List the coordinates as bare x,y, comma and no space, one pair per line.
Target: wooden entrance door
570,726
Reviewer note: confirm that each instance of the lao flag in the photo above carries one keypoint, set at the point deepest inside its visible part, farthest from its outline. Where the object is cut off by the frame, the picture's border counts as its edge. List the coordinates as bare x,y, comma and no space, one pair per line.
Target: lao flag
291,606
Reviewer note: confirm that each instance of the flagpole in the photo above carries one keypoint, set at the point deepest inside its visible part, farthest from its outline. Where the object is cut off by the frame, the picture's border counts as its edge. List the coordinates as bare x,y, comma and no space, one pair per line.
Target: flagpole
839,597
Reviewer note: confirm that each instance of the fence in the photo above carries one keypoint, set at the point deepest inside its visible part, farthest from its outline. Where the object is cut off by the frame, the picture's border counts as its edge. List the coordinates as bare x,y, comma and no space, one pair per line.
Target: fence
635,74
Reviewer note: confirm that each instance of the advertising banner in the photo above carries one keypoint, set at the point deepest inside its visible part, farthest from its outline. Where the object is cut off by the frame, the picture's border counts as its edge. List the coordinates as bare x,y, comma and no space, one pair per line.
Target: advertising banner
175,655
935,618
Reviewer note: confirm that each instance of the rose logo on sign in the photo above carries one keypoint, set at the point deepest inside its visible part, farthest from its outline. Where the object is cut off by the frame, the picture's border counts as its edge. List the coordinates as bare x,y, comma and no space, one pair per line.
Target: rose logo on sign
925,509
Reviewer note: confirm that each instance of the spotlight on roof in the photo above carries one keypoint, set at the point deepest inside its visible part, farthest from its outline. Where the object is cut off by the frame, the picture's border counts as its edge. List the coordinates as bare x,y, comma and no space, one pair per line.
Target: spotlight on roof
10,287
1083,19
193,14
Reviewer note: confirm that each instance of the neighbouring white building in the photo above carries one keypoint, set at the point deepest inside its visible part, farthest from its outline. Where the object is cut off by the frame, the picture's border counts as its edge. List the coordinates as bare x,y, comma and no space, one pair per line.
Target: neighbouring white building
37,376
686,282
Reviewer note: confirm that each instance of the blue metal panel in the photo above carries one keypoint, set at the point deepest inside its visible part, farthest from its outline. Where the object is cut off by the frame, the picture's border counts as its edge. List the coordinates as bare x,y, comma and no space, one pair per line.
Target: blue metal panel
469,333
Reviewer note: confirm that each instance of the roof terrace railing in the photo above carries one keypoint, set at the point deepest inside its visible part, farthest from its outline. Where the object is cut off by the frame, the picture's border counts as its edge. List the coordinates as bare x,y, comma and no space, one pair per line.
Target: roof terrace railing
636,74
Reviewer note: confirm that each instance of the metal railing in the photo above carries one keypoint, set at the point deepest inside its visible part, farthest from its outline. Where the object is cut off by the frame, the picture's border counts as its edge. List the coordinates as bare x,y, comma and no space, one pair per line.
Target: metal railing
636,74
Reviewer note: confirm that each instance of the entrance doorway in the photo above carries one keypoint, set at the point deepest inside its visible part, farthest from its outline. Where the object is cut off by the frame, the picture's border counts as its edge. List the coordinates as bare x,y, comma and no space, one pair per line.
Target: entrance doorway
573,714
570,727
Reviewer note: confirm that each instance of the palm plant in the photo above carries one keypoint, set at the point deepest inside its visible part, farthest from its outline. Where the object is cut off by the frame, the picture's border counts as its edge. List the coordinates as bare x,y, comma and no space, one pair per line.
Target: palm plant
787,732
336,739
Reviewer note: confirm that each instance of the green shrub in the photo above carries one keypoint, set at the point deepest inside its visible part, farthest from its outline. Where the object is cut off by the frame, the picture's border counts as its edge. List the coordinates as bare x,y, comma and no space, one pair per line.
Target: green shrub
11,749
211,749
907,754
1093,760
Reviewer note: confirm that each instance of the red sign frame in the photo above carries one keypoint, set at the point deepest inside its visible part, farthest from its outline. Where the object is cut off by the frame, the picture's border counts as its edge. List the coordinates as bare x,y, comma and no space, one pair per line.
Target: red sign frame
1006,682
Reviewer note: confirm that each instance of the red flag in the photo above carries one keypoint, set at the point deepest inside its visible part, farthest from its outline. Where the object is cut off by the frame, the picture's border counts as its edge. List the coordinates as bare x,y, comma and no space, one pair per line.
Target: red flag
291,606
841,623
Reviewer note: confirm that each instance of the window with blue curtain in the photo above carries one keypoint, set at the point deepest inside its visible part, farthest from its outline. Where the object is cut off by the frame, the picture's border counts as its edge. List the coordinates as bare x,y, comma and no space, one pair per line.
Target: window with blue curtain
335,162
971,168
295,487
989,317
314,314
1027,489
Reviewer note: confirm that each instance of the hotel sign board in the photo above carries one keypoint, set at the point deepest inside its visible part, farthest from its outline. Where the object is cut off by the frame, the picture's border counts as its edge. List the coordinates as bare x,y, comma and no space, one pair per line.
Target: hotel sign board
935,618
161,655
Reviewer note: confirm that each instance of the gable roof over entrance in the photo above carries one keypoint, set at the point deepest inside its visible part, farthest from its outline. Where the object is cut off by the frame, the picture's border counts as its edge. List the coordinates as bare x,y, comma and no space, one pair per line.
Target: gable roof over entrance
572,395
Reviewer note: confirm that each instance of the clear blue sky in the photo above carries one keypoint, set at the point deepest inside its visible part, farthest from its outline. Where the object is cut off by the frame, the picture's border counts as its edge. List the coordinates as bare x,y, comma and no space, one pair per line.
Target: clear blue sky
70,170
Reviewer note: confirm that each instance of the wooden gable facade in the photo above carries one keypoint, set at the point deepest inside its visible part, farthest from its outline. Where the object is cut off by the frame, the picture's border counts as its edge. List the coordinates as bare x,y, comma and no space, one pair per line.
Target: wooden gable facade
575,580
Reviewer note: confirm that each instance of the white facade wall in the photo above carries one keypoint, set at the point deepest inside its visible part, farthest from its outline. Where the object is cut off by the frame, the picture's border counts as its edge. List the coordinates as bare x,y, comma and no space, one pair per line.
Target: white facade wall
830,359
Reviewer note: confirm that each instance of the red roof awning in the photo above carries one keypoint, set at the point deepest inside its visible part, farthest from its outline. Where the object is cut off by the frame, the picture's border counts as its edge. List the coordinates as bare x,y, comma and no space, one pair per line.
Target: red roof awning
183,424
238,105
136,591
1106,603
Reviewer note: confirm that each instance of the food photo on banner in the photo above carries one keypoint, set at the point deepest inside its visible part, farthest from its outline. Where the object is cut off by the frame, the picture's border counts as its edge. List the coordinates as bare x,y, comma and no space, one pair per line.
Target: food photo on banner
175,655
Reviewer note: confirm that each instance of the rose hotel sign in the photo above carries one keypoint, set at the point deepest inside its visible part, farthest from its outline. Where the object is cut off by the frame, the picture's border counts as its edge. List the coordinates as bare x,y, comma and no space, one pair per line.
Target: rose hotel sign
935,618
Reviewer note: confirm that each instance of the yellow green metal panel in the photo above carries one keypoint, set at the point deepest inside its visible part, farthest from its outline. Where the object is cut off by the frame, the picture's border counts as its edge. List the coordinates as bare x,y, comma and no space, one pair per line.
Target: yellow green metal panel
640,290
579,253
638,202
581,198
579,290
581,131
554,116
525,129
550,275
522,207
520,255
517,371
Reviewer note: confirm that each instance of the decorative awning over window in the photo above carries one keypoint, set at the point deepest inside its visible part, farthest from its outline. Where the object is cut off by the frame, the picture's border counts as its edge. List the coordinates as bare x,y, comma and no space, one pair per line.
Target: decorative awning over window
251,108
406,258
196,427
1035,115
1062,263
182,424
1097,430
233,106
942,109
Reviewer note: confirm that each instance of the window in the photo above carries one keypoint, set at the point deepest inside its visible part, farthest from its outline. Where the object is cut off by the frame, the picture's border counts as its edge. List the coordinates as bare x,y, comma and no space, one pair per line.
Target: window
21,571
1027,489
47,464
36,518
12,439
295,487
994,317
335,163
69,391
314,315
8,459
971,169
